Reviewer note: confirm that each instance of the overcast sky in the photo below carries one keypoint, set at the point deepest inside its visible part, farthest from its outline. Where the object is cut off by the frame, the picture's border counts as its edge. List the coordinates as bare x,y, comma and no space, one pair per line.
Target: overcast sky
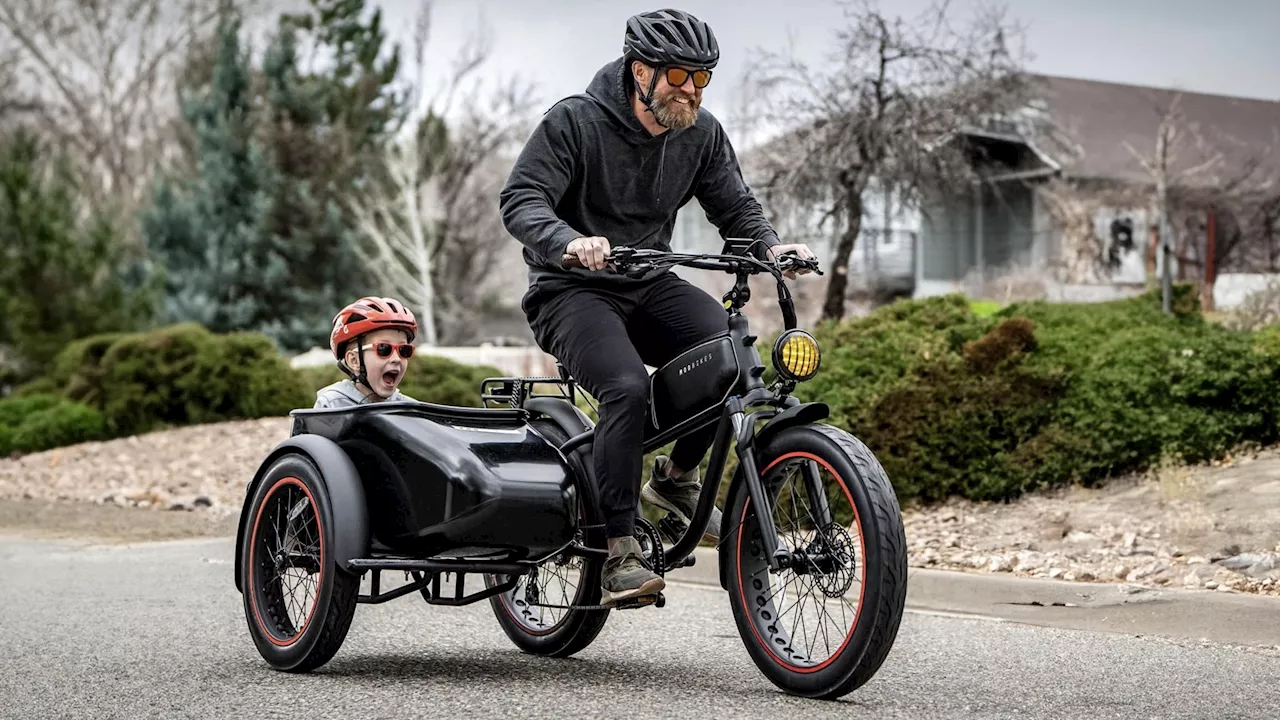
1219,46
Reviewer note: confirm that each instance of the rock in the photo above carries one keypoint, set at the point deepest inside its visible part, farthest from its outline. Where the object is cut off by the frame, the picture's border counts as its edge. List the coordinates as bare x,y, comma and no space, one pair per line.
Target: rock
1130,539
1197,560
1255,565
1028,561
999,563
1056,572
1070,577
181,506
202,501
1085,576
1121,572
1211,585
1191,580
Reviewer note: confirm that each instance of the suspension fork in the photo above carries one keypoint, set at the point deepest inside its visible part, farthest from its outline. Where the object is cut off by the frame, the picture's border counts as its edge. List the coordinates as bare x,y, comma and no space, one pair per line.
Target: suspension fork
744,431
820,508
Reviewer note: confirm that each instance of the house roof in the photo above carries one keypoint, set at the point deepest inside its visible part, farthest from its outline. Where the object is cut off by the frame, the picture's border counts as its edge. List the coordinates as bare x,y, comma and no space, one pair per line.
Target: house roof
1100,117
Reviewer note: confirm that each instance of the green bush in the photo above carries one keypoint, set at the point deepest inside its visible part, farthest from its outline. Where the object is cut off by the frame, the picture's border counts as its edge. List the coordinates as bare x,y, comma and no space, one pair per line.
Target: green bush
1040,394
242,375
177,375
66,423
40,422
146,378
956,425
14,410
314,378
863,358
77,369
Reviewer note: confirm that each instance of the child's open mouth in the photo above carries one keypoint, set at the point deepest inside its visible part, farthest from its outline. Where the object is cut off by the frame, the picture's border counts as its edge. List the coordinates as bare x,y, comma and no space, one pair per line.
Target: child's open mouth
390,377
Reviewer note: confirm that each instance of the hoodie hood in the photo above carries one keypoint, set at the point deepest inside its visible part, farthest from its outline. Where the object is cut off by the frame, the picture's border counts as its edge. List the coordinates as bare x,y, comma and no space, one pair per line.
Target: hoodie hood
611,91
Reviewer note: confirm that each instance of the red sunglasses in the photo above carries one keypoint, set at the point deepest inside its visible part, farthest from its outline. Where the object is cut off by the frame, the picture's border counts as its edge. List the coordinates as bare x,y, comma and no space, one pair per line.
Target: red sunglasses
384,349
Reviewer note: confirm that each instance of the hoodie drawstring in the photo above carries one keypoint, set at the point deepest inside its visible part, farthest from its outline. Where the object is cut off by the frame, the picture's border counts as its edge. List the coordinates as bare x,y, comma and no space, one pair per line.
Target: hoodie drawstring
662,157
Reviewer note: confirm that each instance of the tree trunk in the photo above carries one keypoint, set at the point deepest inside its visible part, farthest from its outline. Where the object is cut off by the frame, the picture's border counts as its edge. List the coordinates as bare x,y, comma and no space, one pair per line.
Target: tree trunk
833,308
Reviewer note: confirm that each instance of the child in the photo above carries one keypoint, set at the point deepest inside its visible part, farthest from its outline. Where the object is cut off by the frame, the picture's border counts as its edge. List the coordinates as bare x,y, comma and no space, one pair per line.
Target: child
371,339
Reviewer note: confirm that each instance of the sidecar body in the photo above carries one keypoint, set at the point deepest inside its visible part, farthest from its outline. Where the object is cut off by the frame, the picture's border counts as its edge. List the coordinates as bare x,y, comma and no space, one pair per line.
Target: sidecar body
413,480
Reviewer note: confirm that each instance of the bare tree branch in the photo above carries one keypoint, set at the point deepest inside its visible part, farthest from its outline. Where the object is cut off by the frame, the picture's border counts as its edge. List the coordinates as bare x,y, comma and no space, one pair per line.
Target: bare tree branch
892,111
432,229
98,71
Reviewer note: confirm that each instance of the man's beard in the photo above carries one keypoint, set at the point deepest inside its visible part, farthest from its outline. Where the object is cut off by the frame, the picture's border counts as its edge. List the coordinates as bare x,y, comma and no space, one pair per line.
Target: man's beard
673,114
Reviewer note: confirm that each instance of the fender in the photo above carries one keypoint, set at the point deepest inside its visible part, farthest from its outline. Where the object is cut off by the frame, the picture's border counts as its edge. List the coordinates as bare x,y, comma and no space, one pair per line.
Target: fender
798,414
566,414
348,514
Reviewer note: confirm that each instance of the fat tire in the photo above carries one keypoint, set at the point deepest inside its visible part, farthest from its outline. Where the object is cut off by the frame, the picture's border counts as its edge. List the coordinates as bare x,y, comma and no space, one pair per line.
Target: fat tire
337,591
578,628
885,561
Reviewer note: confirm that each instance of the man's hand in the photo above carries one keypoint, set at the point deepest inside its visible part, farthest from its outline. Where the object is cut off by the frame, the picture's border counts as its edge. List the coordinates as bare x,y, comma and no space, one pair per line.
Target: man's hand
799,249
590,251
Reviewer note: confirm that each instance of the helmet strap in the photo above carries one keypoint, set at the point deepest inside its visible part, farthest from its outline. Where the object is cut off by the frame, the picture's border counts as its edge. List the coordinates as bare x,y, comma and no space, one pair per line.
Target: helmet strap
361,378
646,96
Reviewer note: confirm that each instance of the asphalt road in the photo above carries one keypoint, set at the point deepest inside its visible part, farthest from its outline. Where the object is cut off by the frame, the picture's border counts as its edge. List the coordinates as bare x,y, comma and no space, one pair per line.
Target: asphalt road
158,630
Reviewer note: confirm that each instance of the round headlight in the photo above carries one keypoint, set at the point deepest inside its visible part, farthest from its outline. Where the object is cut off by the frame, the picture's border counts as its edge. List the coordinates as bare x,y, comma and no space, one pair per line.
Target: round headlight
796,355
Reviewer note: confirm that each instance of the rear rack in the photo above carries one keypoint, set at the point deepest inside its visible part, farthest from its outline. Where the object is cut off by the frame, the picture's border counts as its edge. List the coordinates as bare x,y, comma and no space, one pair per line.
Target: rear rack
513,391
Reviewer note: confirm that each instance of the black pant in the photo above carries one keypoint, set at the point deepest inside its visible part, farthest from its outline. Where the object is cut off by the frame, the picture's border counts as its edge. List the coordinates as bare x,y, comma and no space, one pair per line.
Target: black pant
604,337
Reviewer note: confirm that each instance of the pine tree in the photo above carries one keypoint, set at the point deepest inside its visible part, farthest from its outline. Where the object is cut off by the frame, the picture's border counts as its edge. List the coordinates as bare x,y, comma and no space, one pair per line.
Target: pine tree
210,233
62,273
325,130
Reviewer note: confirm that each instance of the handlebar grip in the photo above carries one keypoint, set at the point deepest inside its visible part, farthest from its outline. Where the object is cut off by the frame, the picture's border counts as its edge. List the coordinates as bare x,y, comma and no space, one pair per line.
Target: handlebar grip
570,261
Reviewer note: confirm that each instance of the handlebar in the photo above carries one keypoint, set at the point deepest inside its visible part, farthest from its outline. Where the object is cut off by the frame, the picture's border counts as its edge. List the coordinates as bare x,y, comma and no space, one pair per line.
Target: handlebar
636,263
631,261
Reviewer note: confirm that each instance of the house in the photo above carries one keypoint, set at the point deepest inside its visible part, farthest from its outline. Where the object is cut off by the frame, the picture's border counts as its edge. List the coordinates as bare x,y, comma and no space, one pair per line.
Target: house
1065,208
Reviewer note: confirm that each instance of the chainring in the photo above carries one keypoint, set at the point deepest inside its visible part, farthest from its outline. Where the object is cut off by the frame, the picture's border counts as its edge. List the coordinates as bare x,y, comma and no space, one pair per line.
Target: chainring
651,545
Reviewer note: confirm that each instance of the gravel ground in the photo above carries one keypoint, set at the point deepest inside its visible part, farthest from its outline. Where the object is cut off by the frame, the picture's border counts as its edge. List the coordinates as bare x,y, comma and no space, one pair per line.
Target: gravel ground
1216,527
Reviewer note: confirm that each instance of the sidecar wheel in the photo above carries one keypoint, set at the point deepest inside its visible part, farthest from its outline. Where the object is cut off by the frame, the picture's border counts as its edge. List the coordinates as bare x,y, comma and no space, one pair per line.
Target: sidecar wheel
822,628
298,602
522,611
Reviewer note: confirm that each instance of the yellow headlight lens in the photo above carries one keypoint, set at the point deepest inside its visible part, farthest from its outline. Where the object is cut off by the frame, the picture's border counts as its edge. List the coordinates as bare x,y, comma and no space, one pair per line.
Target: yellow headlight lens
796,355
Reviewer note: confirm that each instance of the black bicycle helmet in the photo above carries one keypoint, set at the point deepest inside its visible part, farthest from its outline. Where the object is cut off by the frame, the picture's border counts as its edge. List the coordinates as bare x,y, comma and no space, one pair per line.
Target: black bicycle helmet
670,37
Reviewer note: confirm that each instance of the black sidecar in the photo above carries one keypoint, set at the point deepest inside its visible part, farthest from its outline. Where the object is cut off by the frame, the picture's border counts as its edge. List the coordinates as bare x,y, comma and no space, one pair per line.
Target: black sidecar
426,489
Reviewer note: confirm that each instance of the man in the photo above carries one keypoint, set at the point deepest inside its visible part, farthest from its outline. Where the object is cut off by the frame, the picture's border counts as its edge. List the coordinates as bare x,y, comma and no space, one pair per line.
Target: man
612,167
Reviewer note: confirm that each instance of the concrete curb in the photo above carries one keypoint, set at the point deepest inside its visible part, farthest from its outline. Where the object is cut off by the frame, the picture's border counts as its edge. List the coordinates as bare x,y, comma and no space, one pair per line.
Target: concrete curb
1230,618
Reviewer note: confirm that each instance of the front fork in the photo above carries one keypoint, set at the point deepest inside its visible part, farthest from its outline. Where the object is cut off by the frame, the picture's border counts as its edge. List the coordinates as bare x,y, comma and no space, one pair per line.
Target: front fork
735,427
774,549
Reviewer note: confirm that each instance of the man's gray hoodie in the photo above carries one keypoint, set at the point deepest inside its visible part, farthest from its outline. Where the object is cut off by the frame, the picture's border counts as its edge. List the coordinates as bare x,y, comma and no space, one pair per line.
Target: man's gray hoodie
591,169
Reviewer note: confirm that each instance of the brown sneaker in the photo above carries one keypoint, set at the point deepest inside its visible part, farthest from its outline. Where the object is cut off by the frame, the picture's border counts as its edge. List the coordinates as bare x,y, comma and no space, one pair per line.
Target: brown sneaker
679,497
626,574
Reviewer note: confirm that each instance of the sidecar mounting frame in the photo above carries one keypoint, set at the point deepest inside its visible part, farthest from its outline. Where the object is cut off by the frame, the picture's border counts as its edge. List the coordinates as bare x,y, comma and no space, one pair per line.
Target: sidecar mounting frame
430,585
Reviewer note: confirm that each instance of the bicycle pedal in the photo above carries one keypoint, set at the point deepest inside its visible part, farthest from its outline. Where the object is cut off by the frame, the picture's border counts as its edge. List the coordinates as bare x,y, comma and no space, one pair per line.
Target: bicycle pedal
643,601
672,527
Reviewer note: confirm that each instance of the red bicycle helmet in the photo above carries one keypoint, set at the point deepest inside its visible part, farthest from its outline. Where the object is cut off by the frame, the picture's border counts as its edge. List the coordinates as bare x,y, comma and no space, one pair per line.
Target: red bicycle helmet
366,315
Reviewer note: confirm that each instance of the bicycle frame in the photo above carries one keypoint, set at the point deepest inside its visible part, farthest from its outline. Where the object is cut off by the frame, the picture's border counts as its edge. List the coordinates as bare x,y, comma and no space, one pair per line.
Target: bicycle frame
731,418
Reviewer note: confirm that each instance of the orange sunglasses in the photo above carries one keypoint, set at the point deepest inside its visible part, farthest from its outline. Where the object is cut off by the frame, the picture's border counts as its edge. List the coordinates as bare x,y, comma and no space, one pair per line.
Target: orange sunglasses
677,76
